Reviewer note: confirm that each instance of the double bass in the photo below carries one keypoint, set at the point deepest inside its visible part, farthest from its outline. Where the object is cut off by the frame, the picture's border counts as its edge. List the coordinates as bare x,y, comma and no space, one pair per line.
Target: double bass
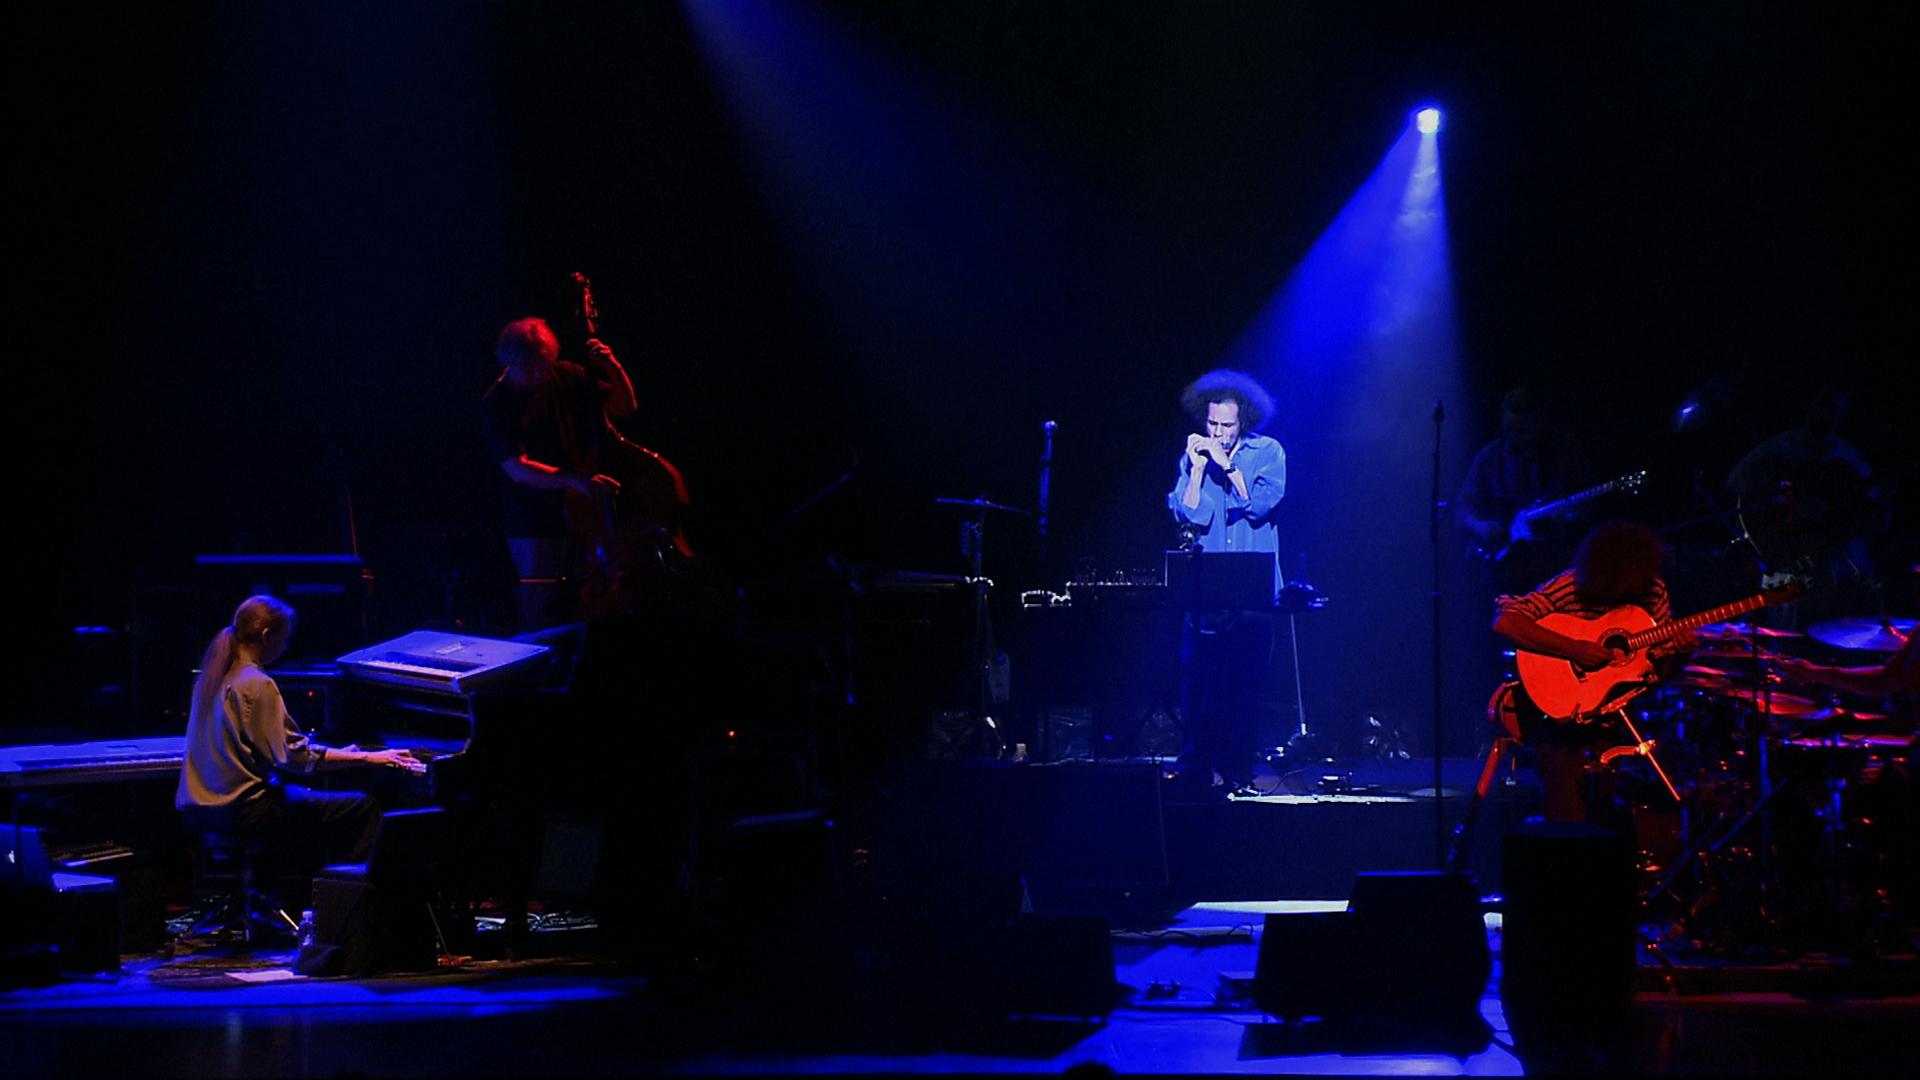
638,553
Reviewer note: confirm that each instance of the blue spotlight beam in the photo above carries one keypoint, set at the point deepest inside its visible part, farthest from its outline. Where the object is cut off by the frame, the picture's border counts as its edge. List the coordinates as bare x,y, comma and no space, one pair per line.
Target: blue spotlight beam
1358,344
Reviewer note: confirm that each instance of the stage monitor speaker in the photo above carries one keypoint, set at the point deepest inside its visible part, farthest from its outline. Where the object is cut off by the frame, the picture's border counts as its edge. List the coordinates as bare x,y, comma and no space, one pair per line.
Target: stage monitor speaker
1059,965
1410,948
375,916
1568,929
361,929
1430,939
1305,965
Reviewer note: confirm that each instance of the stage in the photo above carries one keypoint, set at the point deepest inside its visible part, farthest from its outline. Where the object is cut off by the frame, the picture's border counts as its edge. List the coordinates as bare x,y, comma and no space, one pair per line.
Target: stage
1178,1008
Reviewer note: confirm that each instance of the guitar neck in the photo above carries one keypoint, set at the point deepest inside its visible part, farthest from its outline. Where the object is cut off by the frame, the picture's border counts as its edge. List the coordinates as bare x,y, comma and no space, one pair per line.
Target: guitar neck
1570,501
1668,630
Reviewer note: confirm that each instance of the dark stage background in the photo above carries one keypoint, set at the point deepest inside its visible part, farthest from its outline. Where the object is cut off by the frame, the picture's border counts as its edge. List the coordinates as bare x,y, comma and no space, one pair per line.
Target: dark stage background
261,252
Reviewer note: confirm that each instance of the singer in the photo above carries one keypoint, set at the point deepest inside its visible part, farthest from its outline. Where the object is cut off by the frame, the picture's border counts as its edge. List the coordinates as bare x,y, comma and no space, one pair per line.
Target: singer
1230,480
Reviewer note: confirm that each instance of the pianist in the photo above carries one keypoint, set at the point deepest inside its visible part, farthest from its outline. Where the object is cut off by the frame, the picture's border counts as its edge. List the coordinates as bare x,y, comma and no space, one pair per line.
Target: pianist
242,745
1229,483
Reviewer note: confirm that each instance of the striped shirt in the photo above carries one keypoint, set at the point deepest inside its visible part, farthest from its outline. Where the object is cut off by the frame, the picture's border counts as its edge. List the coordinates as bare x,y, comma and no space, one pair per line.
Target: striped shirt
1558,596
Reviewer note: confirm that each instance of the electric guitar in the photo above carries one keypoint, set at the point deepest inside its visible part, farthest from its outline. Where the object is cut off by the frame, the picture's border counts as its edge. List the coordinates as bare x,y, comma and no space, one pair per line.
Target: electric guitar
1564,690
1522,529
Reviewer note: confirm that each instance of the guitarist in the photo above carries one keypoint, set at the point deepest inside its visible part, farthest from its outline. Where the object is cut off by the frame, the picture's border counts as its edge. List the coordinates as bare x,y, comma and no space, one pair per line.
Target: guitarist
1527,464
1617,563
540,419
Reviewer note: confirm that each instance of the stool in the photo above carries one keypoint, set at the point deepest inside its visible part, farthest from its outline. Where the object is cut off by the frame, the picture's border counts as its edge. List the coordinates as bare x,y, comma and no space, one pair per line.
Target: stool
243,906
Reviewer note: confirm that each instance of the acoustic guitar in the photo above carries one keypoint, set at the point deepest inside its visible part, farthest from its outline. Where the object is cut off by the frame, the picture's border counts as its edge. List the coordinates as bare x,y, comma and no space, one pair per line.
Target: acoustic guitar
1563,690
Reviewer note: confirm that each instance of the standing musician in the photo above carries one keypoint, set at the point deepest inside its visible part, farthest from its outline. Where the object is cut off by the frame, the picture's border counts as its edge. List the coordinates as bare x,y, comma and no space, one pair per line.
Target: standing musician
1807,495
1229,482
1618,563
242,745
542,418
1527,464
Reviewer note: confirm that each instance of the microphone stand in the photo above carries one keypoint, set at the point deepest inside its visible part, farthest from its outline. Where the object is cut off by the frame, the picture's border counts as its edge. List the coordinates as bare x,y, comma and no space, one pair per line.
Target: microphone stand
1434,506
819,496
1046,490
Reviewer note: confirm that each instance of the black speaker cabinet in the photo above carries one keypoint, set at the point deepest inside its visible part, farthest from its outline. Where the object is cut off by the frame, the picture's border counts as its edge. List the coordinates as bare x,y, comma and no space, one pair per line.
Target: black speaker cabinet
1568,932
361,929
1411,948
1305,967
1059,965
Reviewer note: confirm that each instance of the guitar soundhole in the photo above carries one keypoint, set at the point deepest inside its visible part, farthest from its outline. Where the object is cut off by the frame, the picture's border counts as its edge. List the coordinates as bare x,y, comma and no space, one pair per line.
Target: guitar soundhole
1616,643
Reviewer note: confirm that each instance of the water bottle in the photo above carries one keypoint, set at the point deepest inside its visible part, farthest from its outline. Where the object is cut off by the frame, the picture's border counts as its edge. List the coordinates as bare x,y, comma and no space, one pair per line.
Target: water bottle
305,932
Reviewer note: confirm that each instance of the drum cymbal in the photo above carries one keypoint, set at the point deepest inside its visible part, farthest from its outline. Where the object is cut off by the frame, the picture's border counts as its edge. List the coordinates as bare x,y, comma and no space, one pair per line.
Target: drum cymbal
1852,740
1867,635
1776,704
984,504
1703,677
1734,650
1738,631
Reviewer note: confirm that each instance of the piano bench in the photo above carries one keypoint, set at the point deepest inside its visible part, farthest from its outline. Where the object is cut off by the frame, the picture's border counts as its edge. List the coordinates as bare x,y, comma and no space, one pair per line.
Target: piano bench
244,908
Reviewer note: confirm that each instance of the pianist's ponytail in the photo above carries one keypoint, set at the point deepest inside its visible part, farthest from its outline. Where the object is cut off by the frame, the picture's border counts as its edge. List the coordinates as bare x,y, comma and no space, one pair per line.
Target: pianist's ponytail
253,620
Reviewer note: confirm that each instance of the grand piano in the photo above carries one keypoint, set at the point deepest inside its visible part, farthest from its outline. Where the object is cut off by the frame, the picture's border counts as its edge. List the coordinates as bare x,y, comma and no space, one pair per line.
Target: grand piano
479,712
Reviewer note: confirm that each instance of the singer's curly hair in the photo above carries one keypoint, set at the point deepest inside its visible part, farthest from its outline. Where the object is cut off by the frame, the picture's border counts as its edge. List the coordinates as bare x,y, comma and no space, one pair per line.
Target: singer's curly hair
1618,561
1226,384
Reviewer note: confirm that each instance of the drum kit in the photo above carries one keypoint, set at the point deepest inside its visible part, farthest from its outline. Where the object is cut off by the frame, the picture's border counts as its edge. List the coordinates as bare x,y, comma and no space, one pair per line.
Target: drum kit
1794,827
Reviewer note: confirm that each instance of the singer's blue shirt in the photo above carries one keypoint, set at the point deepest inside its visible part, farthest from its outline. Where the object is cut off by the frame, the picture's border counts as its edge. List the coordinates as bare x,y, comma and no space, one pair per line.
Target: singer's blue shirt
1232,523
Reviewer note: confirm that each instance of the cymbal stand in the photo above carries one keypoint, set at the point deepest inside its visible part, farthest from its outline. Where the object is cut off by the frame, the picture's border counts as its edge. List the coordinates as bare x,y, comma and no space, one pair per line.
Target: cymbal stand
1698,848
1839,896
1763,737
1698,852
985,656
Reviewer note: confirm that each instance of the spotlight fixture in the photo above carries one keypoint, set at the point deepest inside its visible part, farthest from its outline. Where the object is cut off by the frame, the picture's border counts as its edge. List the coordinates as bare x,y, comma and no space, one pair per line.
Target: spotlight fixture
1427,120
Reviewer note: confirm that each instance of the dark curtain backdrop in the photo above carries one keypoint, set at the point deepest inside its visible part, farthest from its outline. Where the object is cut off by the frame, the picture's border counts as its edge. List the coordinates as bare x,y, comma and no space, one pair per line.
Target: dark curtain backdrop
261,252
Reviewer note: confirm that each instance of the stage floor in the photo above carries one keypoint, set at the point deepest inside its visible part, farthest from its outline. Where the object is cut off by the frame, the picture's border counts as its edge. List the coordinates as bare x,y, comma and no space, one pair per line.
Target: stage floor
206,1014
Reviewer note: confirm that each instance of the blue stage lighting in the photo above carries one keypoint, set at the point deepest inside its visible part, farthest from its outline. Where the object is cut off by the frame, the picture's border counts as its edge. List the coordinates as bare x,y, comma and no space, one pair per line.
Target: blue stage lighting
1427,120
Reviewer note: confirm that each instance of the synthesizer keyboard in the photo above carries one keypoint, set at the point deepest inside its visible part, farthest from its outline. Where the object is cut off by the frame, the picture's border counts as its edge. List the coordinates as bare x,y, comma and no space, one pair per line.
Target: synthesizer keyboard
448,663
51,764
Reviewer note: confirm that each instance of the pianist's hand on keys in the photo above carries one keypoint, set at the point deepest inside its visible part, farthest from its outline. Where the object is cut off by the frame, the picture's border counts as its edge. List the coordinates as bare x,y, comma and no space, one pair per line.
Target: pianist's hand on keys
397,759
